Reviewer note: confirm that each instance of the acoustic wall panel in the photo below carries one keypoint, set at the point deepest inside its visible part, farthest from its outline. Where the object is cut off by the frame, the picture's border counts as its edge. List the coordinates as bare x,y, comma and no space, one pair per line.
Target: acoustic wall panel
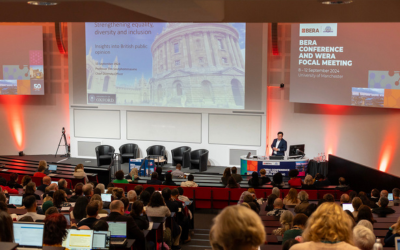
104,124
234,129
163,126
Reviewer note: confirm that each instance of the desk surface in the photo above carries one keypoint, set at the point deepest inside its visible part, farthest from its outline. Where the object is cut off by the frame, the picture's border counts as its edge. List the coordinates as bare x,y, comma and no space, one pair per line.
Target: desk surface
266,158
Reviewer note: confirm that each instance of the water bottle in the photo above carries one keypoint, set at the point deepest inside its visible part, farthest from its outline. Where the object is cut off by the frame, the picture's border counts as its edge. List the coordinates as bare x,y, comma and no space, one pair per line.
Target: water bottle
319,157
323,158
378,245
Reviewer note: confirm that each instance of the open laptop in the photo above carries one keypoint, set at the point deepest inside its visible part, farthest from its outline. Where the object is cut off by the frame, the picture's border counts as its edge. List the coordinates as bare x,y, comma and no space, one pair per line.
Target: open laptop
397,243
118,232
348,206
390,196
101,240
53,168
79,239
15,200
28,235
106,197
68,218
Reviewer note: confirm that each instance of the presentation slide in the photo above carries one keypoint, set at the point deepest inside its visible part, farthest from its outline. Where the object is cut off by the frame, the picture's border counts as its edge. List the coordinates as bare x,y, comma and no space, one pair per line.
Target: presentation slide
345,64
197,65
21,60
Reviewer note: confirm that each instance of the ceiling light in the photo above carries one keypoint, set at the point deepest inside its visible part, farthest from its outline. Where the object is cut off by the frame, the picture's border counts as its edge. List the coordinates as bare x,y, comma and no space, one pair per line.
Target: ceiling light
336,1
42,3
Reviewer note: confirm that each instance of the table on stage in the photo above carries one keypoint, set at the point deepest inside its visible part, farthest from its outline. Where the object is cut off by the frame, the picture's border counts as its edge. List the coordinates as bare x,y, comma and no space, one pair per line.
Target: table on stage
248,166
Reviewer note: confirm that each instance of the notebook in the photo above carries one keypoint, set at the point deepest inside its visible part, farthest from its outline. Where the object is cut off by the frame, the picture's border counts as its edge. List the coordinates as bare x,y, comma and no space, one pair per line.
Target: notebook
118,232
101,240
79,239
28,234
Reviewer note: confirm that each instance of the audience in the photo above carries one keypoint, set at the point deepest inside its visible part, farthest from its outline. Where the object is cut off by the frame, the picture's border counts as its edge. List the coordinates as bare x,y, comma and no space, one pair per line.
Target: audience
41,168
254,181
47,204
154,179
55,230
139,215
238,223
126,204
286,221
46,181
311,209
394,231
92,211
100,225
270,202
50,190
232,183
118,193
353,194
383,208
132,197
88,191
161,177
190,182
225,176
278,208
133,175
12,183
396,195
30,204
51,210
363,238
364,213
181,197
63,185
342,185
101,187
302,206
329,197
119,175
291,198
150,190
277,180
238,177
299,223
59,198
344,198
249,199
25,180
168,180
177,172
101,211
79,173
30,189
367,201
79,211
356,205
294,180
308,182
375,195
276,192
366,224
145,197
263,178
78,192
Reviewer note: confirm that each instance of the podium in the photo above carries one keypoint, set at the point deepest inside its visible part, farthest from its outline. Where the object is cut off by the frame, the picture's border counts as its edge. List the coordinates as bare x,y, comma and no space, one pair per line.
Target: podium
147,168
248,166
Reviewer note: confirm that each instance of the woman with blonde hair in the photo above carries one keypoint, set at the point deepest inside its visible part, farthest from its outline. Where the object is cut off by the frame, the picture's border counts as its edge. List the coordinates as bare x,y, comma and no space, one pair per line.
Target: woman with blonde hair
329,227
308,182
394,231
133,175
291,198
286,221
237,227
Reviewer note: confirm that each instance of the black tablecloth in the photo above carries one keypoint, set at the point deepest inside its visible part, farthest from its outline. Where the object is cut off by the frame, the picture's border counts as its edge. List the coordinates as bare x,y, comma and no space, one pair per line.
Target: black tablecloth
315,167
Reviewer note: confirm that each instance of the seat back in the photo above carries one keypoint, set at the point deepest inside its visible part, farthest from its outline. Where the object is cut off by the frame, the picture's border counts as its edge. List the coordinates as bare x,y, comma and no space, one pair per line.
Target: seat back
128,148
155,150
105,149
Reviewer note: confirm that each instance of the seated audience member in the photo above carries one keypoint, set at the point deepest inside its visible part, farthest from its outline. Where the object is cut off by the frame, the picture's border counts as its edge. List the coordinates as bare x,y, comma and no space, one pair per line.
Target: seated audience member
321,181
291,198
168,180
353,194
79,211
132,197
239,223
161,177
263,178
308,182
329,197
394,231
55,230
46,181
366,224
353,220
181,197
289,243
277,180
31,205
364,213
25,180
77,192
101,187
145,197
59,198
46,205
276,192
270,202
356,203
97,197
254,181
63,185
79,173
238,177
286,221
311,209
139,215
118,193
6,227
97,191
117,213
50,190
151,190
190,182
119,175
385,193
100,225
138,189
51,210
241,199
126,204
177,172
12,183
41,168
396,195
133,175
278,208
26,219
175,197
299,223
154,179
30,189
92,210
225,176
383,208
249,199
375,195
342,185
302,206
294,180
344,198
87,191
232,183
363,238
328,228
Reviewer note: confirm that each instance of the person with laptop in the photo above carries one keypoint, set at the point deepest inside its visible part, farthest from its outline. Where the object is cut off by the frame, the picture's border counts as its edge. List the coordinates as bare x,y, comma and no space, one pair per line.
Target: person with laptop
117,213
279,145
55,230
46,182
63,185
30,204
92,210
30,189
41,168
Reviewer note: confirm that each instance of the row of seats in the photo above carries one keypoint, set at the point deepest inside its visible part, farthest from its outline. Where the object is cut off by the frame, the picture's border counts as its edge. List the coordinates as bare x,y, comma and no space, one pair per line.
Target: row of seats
38,180
196,159
219,198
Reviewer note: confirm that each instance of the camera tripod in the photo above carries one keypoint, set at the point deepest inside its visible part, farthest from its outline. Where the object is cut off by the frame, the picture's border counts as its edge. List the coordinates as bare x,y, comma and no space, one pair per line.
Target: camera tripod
65,144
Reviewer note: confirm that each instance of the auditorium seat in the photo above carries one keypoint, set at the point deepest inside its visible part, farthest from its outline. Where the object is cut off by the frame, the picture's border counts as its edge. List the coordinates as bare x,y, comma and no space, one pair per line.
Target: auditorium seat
203,197
128,151
199,159
220,198
104,154
181,155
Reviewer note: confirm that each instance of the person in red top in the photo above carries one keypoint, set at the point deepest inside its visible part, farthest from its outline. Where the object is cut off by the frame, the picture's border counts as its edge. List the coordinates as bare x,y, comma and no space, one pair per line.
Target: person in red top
42,167
5,188
294,180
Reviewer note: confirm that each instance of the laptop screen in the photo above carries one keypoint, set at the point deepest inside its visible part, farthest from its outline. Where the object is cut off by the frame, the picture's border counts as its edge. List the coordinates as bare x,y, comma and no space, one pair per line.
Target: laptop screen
348,206
68,218
390,196
28,234
15,200
397,243
106,197
52,167
101,239
117,228
56,182
78,239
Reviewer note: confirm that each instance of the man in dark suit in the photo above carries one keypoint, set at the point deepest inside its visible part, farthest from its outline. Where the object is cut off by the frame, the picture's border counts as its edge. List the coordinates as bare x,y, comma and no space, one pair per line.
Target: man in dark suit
46,182
279,145
117,213
154,179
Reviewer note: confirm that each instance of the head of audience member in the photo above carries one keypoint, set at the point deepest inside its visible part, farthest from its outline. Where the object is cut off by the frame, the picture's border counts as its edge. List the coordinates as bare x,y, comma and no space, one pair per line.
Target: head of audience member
87,190
329,197
97,191
232,182
292,195
3,197
166,194
245,204
181,191
293,173
110,185
59,197
25,180
62,183
361,193
308,180
227,172
353,194
344,198
159,171
252,191
137,209
396,228
13,178
26,218
52,187
178,166
156,200
119,175
254,177
100,225
79,166
289,243
145,197
134,174
356,203
92,209
3,206
168,177
118,193
239,223
55,229
154,176
6,227
101,187
276,192
271,199
383,202
117,206
42,166
79,211
329,223
342,181
51,210
375,193
300,220
30,188
138,189
263,172
364,213
47,204
46,180
97,197
248,198
78,189
366,224
319,177
126,203
277,178
191,177
278,203
310,209
234,170
363,237
132,196
396,193
303,196
174,194
384,193
286,220
30,203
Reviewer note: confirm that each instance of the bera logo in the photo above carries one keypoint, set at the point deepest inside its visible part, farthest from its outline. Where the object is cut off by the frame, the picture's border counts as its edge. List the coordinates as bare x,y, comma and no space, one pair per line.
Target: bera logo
318,29
37,86
310,30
